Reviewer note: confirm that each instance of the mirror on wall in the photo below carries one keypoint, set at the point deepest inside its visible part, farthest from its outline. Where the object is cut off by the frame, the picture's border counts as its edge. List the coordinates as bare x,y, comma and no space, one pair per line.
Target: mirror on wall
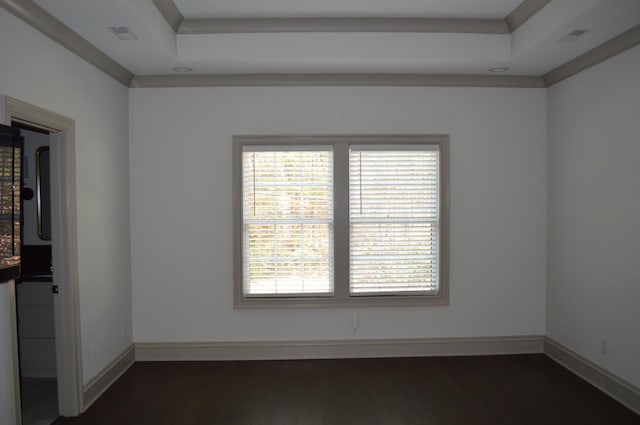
43,191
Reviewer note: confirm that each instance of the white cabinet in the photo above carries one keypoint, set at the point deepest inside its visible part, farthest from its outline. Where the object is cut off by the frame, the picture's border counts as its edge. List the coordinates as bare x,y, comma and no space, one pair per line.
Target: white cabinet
36,330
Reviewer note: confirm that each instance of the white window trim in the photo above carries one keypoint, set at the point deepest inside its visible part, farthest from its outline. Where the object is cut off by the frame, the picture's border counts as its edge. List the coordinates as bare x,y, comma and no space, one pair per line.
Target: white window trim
341,297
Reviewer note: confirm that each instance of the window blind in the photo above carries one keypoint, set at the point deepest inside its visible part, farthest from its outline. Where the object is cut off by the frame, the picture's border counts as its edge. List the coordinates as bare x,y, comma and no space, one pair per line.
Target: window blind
287,220
394,219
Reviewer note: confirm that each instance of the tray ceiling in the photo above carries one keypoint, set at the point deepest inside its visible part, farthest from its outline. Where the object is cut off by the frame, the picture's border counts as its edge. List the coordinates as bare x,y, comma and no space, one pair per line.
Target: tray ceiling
468,37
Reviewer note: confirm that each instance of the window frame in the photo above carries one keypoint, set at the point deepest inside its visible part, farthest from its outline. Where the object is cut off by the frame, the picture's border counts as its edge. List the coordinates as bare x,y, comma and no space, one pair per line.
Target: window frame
341,296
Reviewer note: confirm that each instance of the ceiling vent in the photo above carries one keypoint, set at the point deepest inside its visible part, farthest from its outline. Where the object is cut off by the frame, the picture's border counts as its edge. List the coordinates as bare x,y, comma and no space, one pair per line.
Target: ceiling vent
123,33
572,36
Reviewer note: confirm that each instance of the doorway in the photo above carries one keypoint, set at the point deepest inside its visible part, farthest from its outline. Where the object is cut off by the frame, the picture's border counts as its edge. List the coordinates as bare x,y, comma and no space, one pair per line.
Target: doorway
35,291
63,248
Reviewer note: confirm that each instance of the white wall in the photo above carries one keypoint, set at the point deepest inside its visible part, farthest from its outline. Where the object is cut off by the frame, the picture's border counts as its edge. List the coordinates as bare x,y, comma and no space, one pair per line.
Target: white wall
181,215
36,70
594,210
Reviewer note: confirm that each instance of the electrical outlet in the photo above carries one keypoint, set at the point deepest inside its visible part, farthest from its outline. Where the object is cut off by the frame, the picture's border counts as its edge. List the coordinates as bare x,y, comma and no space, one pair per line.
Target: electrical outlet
355,322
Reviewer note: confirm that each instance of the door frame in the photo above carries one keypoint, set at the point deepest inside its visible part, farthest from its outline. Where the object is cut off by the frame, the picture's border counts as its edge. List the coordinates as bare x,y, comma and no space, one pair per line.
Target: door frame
64,251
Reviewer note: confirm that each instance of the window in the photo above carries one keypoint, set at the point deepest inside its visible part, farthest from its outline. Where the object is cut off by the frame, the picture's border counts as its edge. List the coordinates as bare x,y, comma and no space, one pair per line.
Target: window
287,205
340,220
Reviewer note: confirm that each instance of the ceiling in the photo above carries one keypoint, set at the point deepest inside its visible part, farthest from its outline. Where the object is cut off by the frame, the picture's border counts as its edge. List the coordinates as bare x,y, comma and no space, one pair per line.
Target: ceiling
315,36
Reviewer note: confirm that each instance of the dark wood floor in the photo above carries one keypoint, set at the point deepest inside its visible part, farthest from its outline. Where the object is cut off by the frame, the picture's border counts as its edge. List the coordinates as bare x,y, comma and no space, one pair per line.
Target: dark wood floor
510,390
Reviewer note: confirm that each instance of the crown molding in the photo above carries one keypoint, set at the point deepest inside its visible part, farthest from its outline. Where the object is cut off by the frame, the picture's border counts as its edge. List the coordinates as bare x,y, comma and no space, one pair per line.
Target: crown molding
47,24
510,23
282,25
523,13
40,19
368,80
170,13
606,50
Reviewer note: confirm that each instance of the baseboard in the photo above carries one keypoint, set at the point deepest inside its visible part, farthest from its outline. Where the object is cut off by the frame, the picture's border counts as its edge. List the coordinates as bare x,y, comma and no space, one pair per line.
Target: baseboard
107,376
616,387
287,350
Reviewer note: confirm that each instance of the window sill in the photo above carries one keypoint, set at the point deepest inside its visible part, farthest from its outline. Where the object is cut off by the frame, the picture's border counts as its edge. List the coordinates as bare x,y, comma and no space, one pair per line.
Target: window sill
324,302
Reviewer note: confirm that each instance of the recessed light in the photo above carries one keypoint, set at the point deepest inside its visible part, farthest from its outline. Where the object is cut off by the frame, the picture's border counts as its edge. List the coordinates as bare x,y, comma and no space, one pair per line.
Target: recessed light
182,69
499,69
123,33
